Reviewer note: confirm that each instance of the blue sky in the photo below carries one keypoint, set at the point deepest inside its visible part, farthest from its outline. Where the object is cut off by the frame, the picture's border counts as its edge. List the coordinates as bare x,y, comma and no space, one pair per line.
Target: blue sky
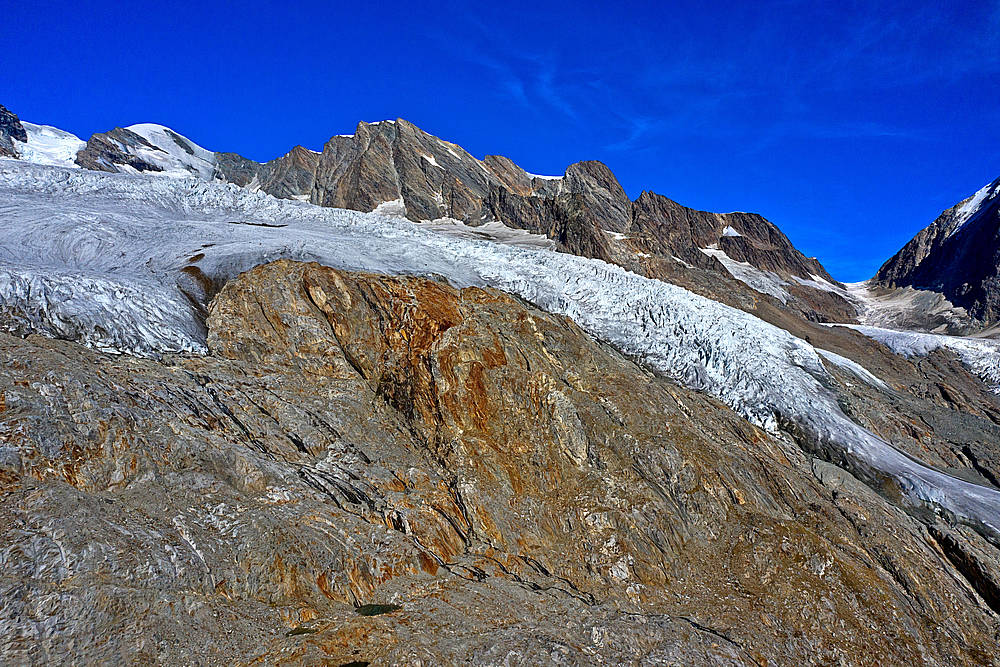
850,125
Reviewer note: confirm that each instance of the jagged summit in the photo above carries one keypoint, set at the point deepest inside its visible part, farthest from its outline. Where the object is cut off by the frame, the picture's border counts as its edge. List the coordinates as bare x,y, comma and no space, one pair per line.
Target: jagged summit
957,255
395,168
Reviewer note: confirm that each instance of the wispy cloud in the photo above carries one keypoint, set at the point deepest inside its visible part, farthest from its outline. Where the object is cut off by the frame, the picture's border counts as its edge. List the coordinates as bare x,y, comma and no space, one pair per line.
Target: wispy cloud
753,79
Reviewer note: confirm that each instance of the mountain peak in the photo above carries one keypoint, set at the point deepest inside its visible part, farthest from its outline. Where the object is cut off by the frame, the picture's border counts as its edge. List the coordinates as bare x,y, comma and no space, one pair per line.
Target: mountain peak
957,255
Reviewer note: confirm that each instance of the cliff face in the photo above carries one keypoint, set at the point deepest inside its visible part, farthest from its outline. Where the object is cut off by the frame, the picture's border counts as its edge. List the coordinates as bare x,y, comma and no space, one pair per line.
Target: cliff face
958,255
356,439
288,177
586,210
10,129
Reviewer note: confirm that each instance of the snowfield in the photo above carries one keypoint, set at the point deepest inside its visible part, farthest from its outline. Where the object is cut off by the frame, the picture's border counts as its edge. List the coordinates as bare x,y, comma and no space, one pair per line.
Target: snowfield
176,155
765,282
98,258
49,145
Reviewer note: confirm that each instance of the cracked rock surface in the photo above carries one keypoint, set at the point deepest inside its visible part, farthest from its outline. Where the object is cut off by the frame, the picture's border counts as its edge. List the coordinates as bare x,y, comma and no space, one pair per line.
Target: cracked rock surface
524,494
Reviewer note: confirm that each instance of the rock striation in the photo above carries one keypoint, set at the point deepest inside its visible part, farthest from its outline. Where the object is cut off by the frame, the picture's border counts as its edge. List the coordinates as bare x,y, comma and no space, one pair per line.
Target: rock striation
392,470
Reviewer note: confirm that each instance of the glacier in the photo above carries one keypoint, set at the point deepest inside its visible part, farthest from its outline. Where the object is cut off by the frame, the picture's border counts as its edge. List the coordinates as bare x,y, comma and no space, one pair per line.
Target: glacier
107,260
980,355
49,145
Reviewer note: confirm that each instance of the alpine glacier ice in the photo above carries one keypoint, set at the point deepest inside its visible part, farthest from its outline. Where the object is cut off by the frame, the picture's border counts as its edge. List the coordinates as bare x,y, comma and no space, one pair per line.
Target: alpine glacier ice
102,258
49,145
981,355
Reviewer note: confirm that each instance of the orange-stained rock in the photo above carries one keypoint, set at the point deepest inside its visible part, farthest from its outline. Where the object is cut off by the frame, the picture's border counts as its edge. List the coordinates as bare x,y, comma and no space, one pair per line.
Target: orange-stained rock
523,492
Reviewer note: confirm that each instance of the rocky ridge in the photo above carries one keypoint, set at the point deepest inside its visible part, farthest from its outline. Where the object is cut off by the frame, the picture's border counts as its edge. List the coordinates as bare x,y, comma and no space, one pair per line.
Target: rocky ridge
394,166
957,256
10,130
586,211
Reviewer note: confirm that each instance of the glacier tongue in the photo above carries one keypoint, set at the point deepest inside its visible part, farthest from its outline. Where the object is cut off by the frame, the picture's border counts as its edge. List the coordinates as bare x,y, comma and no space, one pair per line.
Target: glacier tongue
101,258
980,355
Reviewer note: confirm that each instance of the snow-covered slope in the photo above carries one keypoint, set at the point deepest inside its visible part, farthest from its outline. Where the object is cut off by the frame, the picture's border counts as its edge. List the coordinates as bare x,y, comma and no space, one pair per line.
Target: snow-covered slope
177,155
765,282
102,258
49,145
968,208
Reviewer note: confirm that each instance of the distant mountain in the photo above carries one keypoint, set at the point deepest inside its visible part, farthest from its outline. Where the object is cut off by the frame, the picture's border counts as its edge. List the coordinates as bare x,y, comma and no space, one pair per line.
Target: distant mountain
394,167
585,210
957,255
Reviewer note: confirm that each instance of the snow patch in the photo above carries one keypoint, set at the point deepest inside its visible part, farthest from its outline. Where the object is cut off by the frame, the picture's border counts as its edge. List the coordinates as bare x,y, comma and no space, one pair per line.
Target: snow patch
729,231
854,367
819,283
765,282
49,146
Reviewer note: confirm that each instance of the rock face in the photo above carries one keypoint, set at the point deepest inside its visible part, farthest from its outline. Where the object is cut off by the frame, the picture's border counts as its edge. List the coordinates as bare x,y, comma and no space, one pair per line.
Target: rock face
958,255
397,168
110,151
10,129
520,493
586,210
288,177
667,228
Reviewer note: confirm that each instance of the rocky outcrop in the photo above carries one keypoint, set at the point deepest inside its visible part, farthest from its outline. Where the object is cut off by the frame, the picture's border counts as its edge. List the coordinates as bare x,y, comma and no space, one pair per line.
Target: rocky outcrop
236,169
586,211
387,470
288,177
10,130
110,151
958,256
